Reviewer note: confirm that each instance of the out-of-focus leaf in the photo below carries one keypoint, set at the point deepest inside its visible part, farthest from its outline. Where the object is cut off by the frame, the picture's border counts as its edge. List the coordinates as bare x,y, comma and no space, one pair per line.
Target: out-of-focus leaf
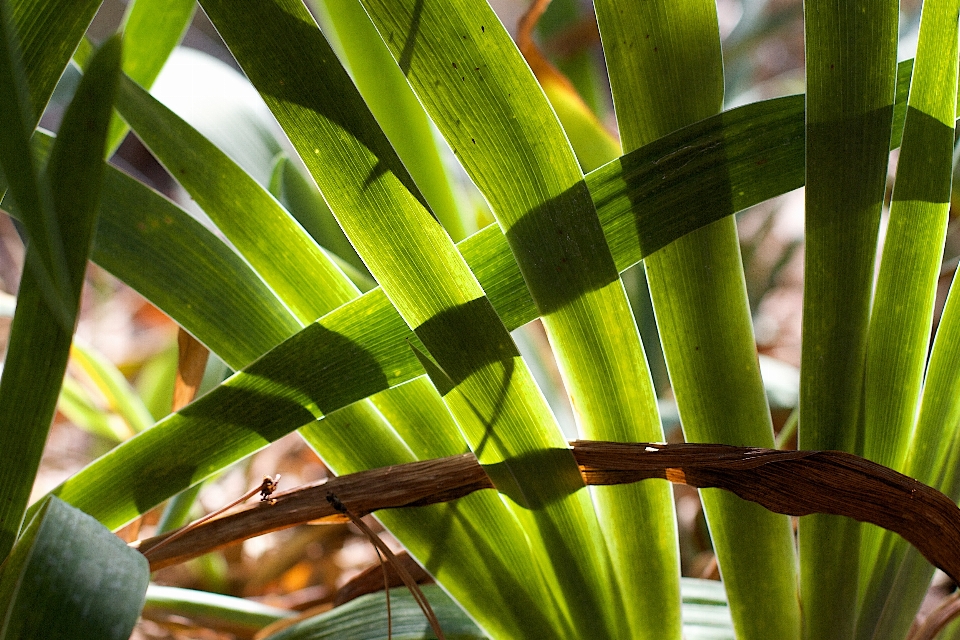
151,30
214,609
68,577
80,409
113,386
219,102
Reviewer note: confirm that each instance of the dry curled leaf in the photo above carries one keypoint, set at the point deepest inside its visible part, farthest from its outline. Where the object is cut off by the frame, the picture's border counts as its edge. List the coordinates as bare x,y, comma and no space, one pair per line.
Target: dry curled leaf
789,482
190,366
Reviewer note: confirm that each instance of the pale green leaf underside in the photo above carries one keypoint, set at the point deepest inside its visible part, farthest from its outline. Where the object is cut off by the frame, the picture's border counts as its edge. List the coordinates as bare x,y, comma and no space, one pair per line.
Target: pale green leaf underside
69,577
704,611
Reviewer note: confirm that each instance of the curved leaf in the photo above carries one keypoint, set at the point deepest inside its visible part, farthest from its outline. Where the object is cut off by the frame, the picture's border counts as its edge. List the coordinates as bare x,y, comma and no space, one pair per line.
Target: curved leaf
69,577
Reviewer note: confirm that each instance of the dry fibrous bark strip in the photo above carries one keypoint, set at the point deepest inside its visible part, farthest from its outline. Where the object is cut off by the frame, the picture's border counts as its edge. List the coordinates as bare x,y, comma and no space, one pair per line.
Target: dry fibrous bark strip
796,483
789,482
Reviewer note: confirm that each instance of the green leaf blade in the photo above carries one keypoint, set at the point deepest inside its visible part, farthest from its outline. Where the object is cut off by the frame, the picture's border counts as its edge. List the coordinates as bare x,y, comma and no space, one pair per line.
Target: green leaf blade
666,73
40,335
851,64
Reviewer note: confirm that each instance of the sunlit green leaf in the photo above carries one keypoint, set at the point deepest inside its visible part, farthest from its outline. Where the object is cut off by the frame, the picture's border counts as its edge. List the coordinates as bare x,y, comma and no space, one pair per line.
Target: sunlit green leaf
851,83
666,72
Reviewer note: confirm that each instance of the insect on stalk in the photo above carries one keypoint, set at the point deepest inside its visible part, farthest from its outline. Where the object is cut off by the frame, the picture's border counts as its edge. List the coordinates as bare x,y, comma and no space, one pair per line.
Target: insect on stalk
265,489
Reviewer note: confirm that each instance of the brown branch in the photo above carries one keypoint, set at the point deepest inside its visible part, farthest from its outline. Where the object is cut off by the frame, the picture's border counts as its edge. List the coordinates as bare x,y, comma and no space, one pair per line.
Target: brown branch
789,482
413,484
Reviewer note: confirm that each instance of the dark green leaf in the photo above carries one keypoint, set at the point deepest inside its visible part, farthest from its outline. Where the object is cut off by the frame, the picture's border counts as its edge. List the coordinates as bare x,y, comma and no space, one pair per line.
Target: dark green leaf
69,578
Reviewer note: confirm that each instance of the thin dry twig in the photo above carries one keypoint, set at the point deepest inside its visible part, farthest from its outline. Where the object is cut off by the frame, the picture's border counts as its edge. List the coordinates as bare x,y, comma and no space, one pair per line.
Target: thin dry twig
408,580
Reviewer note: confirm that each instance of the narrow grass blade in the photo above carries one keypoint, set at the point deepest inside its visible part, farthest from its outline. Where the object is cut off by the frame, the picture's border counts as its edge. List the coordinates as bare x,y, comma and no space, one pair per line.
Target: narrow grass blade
666,71
851,82
39,339
906,289
69,577
387,94
463,66
151,29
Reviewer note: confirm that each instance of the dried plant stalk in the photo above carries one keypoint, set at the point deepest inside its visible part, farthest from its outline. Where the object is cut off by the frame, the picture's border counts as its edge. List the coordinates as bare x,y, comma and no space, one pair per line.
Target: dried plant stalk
789,482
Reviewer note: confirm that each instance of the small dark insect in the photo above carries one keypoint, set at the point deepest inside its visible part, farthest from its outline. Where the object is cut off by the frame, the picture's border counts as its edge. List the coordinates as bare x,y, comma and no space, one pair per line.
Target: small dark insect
482,30
267,487
454,65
